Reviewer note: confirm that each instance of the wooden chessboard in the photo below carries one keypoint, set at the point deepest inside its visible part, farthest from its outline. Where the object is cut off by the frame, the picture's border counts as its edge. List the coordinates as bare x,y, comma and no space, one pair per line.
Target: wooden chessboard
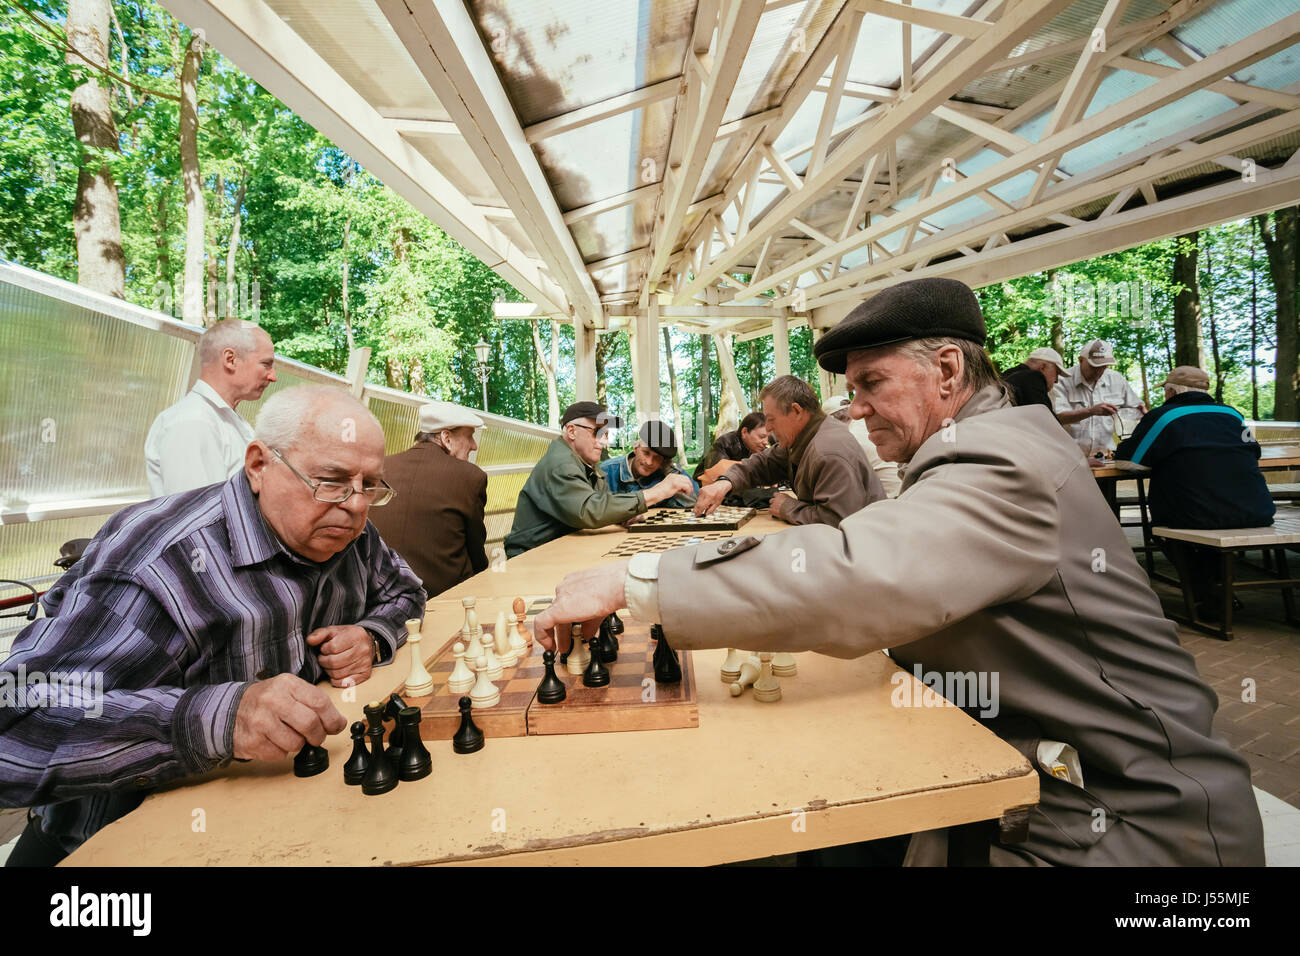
659,543
725,518
631,701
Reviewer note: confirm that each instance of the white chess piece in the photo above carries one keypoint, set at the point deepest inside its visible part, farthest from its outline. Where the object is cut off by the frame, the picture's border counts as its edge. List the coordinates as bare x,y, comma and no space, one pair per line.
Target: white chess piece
579,656
521,614
731,666
462,676
485,693
767,688
501,642
784,665
418,682
518,642
749,672
492,664
471,619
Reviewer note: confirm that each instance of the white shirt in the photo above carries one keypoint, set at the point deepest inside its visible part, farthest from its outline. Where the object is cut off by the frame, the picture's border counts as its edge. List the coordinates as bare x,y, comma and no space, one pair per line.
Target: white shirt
196,442
1073,394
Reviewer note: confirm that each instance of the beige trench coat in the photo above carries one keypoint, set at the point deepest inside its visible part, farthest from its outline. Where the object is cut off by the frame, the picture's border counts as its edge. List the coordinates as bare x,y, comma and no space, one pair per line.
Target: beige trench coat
1001,555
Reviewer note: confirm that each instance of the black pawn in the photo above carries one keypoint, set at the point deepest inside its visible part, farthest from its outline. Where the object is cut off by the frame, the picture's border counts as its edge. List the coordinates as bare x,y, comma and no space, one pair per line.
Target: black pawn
616,624
415,761
311,761
551,690
656,632
596,674
468,738
354,771
668,669
381,775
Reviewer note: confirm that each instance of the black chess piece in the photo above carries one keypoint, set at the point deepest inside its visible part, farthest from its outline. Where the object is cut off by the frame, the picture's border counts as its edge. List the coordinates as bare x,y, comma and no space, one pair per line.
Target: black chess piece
656,632
551,690
668,669
596,674
415,761
604,646
311,761
469,738
381,774
396,737
616,624
354,771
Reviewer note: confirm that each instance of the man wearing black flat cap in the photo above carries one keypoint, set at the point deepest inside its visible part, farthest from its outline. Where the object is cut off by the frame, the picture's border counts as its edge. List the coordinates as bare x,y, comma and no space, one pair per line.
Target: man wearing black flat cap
998,557
567,490
649,462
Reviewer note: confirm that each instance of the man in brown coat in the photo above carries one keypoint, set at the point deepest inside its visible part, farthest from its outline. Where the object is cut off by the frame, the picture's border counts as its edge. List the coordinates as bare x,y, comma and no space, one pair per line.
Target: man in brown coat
1000,558
435,521
815,455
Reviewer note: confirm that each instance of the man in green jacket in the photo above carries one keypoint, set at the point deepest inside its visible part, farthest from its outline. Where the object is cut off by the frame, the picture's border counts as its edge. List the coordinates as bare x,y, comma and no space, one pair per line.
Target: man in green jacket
567,490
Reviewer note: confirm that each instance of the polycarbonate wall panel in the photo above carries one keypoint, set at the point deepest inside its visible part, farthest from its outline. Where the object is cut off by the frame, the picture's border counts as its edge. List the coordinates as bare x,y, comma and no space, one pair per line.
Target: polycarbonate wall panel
27,551
78,392
399,421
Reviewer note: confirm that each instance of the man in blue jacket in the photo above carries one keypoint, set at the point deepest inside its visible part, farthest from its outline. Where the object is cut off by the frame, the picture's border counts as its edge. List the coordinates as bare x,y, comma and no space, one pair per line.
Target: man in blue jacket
1205,471
649,462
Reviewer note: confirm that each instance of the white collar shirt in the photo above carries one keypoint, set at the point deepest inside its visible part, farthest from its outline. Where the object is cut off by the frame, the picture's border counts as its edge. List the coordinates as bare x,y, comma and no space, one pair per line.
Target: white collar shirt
1073,394
196,442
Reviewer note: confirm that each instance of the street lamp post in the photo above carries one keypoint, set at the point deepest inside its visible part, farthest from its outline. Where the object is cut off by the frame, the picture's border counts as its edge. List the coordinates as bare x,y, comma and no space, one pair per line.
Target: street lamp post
481,366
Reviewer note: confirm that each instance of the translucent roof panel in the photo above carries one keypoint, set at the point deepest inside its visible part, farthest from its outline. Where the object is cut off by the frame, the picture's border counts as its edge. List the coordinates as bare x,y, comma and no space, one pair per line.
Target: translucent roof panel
607,158
556,56
783,41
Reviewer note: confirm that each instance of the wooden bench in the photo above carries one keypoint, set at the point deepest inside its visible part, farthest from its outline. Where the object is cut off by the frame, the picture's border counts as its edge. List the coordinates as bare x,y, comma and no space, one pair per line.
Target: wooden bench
1230,542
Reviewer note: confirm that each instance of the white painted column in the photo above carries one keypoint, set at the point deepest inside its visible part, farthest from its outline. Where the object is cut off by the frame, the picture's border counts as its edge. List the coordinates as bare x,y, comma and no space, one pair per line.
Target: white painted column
645,356
584,360
781,345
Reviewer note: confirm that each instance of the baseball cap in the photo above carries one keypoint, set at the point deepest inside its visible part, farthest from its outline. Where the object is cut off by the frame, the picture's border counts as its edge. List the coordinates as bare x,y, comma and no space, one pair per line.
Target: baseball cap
1048,355
1098,352
1188,375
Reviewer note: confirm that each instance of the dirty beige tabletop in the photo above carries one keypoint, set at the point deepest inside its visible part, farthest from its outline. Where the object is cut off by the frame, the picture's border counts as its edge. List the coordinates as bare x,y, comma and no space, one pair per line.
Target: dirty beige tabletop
833,762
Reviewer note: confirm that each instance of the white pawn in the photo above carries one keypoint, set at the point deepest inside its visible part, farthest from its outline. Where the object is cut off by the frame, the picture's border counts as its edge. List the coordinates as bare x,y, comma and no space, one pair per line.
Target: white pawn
418,681
521,612
501,642
767,688
749,672
462,676
784,665
490,664
518,642
485,693
731,666
579,656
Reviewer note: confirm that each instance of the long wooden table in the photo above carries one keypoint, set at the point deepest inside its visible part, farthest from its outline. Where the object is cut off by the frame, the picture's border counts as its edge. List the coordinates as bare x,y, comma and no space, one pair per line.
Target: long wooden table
834,762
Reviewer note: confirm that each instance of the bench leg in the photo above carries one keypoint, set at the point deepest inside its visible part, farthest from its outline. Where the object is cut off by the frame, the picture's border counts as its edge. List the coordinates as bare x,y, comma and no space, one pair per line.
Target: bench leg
1146,527
1228,561
1288,596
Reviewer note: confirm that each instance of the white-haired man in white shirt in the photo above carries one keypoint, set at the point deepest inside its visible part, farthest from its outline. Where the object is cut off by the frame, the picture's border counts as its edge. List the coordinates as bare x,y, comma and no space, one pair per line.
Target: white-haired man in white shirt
201,439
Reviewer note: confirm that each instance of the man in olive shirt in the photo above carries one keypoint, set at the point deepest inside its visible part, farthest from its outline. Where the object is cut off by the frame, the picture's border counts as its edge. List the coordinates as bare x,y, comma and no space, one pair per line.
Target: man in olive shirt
567,491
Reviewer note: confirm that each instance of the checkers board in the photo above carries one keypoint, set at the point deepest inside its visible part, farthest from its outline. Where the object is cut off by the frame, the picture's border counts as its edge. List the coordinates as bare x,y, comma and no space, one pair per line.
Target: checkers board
628,702
659,543
725,518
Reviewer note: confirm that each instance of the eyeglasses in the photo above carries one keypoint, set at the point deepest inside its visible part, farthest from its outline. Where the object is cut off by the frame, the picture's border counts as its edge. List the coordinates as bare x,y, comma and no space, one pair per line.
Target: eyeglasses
337,492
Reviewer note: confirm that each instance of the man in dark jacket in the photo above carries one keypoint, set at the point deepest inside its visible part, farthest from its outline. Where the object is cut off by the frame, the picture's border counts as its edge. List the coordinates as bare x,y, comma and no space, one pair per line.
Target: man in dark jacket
435,521
1031,382
567,490
1205,470
816,456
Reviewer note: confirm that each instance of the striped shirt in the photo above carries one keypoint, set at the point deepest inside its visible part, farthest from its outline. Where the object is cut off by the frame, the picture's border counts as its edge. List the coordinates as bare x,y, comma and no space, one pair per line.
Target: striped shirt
177,606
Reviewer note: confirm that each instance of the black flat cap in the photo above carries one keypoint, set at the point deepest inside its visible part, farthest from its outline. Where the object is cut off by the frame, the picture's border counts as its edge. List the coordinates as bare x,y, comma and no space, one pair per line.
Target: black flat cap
659,438
922,308
593,410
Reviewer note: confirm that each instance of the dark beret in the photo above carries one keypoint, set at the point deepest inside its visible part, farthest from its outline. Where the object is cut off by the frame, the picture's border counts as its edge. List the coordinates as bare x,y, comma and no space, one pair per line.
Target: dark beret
592,410
922,308
659,438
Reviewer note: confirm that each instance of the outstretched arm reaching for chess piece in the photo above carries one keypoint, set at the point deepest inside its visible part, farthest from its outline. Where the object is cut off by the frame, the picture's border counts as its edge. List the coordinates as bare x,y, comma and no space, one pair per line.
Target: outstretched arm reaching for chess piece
584,597
672,485
711,496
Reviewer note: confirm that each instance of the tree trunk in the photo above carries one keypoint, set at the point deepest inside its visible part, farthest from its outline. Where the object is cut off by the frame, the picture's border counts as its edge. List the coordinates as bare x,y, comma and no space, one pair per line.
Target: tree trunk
1214,328
212,307
96,221
605,346
1058,322
347,271
1280,244
1254,326
161,240
195,218
1142,366
677,404
755,374
548,369
1189,344
232,251
729,408
706,396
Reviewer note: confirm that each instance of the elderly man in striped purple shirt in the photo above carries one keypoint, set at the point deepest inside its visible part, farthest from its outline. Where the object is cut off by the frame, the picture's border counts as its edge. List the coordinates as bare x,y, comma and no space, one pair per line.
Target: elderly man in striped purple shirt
207,618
